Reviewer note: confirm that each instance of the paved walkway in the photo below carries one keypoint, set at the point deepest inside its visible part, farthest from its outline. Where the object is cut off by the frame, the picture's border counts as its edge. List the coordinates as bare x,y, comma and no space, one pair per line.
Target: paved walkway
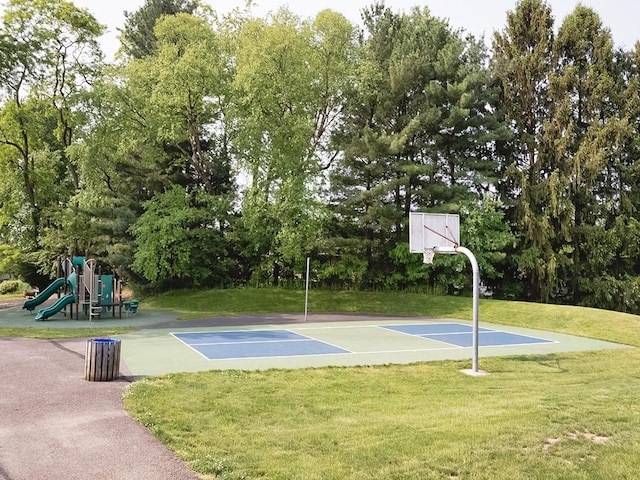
54,425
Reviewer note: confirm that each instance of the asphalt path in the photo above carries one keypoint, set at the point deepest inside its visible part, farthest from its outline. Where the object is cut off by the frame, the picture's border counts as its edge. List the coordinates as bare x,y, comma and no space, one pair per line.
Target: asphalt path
54,425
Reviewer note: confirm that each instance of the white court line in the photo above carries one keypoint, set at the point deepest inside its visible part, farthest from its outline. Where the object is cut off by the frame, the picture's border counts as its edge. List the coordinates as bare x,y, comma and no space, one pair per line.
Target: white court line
387,328
449,346
443,333
377,352
382,325
277,356
483,331
213,332
543,340
325,342
250,342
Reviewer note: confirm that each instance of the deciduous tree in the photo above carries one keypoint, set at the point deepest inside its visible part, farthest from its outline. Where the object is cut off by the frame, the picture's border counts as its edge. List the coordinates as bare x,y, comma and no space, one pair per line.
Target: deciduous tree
52,55
289,81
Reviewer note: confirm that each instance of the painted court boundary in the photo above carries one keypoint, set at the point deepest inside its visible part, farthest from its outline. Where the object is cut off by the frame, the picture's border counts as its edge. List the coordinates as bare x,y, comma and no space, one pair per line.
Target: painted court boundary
236,344
257,344
362,340
460,335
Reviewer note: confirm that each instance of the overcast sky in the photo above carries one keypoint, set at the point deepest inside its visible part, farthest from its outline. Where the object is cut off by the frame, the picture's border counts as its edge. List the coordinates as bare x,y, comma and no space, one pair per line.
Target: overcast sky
479,17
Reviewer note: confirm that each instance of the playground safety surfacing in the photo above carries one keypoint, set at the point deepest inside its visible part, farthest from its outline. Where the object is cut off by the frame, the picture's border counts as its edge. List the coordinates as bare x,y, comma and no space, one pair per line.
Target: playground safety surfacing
164,345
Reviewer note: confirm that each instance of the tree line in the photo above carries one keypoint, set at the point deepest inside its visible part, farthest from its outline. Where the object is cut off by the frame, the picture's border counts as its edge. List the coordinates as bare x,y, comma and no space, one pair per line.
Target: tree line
220,151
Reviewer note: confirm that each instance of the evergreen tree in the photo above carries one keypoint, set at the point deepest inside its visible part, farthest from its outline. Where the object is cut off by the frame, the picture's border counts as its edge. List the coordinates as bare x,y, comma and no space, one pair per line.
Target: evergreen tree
583,127
611,245
137,37
418,131
528,181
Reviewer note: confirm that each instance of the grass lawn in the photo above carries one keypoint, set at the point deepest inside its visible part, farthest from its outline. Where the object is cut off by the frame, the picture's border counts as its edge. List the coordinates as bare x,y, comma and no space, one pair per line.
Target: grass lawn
54,333
561,416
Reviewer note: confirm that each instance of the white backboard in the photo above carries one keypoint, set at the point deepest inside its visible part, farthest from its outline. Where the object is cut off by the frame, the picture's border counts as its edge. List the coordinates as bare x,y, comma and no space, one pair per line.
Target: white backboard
433,230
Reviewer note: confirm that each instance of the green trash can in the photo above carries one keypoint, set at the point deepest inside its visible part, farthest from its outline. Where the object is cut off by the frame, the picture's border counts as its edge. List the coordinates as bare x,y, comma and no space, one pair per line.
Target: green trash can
102,361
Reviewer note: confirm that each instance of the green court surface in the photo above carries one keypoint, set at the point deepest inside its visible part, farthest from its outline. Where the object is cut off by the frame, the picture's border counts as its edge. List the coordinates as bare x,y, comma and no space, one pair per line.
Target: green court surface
157,349
364,340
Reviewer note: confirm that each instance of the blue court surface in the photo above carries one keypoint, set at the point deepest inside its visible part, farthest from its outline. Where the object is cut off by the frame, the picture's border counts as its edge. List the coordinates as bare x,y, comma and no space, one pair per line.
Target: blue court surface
461,335
255,344
238,344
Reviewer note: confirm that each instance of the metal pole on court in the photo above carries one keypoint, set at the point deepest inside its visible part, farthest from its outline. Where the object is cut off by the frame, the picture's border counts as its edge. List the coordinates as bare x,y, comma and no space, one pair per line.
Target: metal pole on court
476,294
306,295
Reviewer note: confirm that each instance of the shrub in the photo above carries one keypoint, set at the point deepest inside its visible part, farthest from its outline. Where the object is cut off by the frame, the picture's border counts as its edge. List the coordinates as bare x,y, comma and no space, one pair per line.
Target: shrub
11,286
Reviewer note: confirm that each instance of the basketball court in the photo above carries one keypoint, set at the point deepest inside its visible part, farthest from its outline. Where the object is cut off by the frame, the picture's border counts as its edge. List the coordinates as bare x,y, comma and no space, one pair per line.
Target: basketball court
237,344
162,344
331,340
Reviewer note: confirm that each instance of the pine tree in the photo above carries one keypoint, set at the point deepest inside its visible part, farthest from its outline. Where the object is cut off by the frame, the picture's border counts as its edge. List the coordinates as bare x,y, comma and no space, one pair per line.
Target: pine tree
529,184
418,133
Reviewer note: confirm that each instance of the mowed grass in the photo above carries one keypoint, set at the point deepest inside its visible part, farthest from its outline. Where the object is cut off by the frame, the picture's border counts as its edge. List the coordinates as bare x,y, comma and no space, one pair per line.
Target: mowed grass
56,333
196,304
561,416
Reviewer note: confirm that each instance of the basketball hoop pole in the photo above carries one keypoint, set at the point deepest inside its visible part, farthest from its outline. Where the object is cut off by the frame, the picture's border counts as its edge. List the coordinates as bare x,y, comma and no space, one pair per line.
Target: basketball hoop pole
431,233
476,295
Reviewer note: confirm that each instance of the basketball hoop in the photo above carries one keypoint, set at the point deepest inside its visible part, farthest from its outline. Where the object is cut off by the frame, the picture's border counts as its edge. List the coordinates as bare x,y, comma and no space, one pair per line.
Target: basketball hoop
428,254
440,232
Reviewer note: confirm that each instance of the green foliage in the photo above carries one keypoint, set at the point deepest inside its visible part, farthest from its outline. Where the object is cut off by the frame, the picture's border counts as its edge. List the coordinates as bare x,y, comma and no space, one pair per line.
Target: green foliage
419,86
11,286
561,97
54,55
348,269
488,235
9,255
137,37
159,125
181,92
281,128
180,240
483,231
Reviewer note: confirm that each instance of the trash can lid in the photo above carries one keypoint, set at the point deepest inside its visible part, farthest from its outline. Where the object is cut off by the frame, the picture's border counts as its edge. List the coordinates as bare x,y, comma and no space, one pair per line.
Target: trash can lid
104,340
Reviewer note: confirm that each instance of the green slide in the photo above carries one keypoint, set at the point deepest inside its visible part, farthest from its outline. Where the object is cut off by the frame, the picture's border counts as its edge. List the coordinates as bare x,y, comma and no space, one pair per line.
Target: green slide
46,293
62,302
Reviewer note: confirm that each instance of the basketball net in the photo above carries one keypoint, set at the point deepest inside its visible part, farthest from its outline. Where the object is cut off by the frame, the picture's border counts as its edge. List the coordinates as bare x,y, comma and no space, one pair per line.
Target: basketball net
428,254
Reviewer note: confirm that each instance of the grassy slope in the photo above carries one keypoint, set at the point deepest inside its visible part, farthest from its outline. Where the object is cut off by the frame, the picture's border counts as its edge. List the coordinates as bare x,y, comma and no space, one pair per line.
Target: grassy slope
570,416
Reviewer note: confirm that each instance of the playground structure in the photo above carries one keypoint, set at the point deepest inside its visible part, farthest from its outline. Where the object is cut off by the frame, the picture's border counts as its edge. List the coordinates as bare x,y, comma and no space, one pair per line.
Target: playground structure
85,289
